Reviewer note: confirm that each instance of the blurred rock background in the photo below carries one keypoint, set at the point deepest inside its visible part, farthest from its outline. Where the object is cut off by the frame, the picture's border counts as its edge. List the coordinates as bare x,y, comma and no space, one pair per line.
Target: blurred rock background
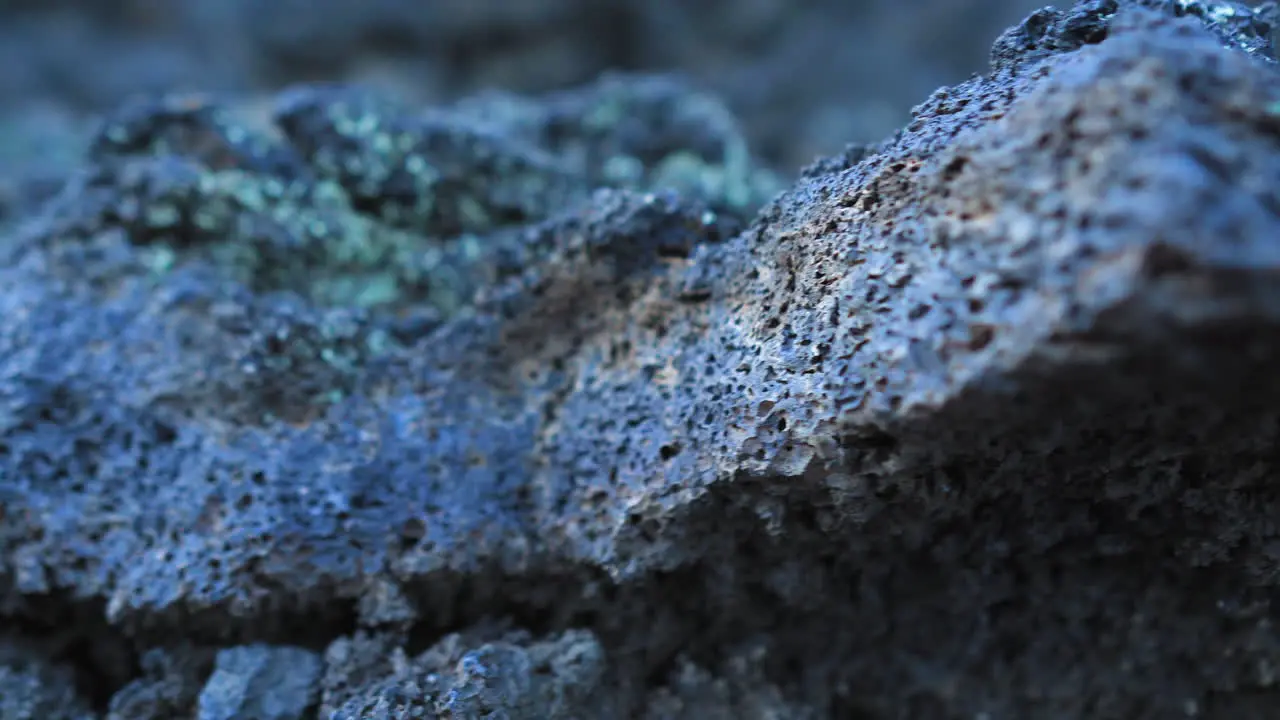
807,76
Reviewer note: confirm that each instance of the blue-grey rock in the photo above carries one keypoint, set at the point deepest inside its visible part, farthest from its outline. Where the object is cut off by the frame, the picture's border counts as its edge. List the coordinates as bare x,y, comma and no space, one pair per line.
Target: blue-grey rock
262,683
976,422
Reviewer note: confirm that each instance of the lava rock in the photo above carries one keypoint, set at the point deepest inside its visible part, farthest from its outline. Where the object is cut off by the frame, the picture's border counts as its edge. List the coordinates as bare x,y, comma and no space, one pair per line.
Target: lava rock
270,683
169,686
976,422
33,688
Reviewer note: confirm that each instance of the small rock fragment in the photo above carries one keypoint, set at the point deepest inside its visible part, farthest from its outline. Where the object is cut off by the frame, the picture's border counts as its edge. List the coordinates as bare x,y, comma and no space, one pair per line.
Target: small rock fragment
261,682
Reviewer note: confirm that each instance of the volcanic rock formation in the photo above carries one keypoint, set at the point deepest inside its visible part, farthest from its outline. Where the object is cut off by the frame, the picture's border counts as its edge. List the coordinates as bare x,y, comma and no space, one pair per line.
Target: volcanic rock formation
556,408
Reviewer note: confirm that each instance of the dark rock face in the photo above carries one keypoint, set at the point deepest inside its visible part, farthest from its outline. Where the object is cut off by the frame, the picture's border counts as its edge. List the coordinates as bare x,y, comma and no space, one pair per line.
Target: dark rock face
543,408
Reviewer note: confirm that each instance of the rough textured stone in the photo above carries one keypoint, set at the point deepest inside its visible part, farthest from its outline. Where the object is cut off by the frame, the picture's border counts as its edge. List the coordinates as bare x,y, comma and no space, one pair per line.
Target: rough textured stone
33,688
168,685
510,676
978,422
256,681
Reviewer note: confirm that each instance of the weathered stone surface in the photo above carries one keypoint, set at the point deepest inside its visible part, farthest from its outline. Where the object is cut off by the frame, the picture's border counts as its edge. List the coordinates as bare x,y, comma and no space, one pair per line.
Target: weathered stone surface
32,687
975,423
168,684
511,675
272,683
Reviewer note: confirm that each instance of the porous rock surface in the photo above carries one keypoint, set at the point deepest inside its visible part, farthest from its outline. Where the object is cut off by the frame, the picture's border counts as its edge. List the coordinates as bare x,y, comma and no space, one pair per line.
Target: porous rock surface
543,409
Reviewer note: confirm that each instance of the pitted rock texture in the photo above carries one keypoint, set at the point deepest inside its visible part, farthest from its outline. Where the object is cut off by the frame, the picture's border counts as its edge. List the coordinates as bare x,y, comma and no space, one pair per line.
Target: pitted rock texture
978,422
